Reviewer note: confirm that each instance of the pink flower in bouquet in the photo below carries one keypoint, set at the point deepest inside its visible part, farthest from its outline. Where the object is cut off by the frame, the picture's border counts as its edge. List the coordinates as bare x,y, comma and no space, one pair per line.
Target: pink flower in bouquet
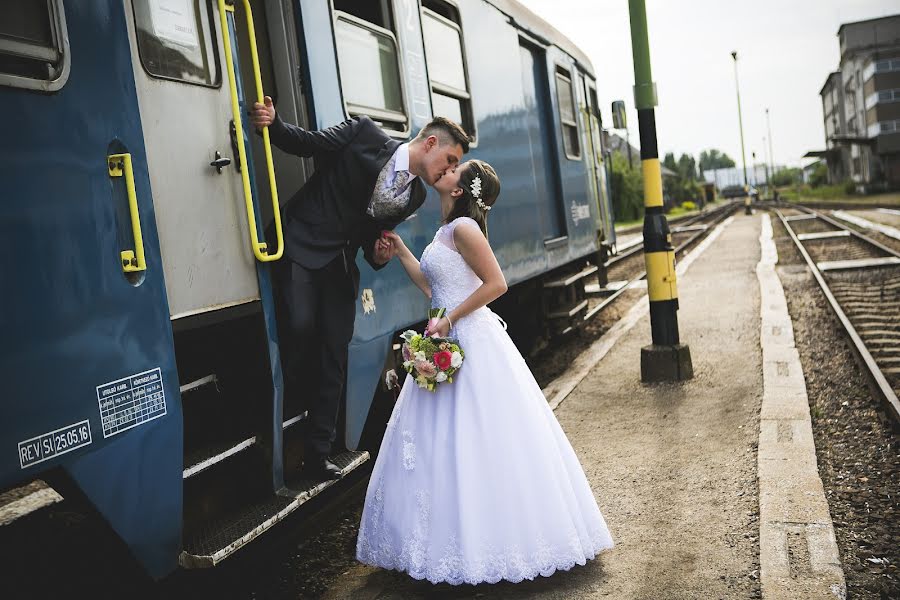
406,352
432,325
443,359
425,368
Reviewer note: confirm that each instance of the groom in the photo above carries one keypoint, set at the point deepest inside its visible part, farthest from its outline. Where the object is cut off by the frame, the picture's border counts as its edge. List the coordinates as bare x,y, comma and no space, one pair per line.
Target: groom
365,182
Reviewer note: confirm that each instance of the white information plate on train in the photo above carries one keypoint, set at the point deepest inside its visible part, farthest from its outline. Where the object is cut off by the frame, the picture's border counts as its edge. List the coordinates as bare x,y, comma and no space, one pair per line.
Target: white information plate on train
53,444
131,401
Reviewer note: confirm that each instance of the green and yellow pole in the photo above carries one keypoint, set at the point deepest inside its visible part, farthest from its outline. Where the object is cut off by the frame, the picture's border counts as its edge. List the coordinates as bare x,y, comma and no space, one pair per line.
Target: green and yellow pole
666,359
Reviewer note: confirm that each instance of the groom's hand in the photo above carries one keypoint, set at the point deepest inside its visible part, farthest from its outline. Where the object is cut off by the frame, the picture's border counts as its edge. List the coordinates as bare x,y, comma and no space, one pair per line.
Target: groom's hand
383,250
263,115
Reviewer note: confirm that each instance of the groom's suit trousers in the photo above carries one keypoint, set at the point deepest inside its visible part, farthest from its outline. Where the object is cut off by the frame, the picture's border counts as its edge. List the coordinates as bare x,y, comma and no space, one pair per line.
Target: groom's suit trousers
320,307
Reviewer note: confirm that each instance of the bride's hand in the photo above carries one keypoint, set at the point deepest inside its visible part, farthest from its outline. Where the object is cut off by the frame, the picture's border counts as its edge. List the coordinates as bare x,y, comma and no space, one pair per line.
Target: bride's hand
439,329
395,240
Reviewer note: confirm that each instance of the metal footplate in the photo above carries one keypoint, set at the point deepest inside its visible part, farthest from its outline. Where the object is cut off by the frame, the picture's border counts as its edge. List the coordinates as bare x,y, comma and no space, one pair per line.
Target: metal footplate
216,540
565,298
594,289
570,279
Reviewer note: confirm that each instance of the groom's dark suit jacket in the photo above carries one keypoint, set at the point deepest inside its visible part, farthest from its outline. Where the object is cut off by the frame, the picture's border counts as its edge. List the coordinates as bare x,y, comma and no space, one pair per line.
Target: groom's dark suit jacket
328,215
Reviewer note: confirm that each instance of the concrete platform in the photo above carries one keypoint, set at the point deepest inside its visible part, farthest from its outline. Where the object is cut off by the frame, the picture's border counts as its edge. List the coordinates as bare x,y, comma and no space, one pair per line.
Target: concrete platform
799,555
674,467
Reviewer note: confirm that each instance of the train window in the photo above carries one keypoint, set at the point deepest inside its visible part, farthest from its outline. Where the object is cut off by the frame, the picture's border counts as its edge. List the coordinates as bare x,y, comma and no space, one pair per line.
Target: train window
34,45
445,58
377,12
176,40
565,96
370,71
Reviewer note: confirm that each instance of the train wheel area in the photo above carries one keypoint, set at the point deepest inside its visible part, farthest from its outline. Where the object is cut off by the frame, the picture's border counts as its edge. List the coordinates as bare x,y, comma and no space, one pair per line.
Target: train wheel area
771,473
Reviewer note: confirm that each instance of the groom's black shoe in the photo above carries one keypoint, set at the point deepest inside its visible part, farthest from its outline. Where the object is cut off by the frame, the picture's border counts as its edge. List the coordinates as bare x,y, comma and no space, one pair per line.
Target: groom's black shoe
320,468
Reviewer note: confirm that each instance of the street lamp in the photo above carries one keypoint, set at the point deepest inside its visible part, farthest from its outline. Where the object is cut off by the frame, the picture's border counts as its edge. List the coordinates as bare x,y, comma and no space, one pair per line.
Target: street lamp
771,155
737,87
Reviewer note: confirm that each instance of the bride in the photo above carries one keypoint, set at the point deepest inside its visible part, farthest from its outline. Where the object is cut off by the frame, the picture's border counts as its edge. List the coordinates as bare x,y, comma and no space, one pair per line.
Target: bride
476,481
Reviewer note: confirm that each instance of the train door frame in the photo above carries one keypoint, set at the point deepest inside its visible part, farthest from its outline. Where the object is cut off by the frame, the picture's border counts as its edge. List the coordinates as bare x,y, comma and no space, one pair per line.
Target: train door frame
598,168
557,234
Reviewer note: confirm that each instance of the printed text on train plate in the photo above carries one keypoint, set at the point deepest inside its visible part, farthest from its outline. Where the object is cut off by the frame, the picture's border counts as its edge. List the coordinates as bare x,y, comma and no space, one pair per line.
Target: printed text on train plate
131,401
49,445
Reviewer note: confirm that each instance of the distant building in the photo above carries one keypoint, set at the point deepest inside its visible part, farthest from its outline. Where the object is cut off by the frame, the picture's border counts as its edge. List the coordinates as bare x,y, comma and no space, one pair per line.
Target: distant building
731,176
861,106
809,170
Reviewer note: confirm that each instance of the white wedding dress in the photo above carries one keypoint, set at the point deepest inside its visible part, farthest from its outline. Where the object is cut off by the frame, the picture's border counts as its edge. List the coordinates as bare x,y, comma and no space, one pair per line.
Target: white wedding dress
476,481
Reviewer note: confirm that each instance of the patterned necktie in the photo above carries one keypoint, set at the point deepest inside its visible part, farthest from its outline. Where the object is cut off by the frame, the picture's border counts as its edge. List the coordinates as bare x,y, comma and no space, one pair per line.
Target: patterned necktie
389,202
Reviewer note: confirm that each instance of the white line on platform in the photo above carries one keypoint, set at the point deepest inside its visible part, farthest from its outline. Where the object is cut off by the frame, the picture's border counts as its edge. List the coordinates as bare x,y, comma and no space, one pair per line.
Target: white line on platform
888,211
560,388
27,504
792,503
867,224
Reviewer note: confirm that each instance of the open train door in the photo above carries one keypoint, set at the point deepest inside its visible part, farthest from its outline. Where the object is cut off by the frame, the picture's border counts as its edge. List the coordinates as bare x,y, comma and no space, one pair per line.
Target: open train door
194,148
607,226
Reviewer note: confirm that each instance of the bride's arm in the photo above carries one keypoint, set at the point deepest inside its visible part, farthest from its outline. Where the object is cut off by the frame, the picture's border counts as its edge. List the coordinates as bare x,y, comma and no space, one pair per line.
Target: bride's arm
409,262
476,251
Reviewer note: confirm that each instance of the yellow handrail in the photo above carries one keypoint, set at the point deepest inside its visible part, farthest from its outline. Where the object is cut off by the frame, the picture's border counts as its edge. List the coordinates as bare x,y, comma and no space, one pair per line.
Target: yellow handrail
259,248
132,260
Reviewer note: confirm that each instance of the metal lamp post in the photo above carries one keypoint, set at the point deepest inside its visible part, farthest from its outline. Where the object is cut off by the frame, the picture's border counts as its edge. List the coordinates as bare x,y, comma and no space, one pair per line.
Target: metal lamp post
737,87
771,155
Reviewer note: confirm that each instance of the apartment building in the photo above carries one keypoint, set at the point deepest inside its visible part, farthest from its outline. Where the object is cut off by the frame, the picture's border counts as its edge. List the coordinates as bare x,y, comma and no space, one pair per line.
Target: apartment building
861,106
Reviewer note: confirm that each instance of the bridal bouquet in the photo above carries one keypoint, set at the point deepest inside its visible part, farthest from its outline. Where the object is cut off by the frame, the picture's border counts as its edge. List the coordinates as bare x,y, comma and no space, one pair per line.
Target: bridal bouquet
431,360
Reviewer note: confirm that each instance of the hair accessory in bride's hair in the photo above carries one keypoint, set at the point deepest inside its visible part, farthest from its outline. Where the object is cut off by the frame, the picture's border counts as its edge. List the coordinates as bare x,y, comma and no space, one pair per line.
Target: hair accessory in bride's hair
476,193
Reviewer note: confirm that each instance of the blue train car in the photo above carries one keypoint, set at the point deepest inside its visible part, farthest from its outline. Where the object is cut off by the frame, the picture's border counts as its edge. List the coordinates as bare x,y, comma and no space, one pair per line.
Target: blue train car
141,362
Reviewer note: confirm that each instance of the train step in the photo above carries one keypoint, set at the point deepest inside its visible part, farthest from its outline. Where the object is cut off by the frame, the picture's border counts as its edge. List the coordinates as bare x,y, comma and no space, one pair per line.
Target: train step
570,279
594,289
210,541
211,454
569,311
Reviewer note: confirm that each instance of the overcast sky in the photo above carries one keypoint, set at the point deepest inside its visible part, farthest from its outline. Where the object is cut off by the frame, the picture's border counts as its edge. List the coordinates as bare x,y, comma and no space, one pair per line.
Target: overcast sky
785,49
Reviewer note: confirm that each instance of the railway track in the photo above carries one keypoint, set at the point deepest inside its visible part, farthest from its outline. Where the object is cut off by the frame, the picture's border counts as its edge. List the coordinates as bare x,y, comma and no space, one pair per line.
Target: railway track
628,264
860,278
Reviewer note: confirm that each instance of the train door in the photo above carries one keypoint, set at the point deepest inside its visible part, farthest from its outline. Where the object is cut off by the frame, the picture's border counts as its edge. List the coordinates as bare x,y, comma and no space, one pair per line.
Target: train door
192,155
597,165
540,134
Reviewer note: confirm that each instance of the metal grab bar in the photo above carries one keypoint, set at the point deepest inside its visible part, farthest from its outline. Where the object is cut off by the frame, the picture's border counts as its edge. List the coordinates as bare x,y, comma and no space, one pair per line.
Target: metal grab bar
132,260
259,248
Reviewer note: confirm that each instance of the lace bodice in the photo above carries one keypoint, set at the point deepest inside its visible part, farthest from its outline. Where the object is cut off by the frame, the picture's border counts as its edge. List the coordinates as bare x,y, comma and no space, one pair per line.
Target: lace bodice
452,280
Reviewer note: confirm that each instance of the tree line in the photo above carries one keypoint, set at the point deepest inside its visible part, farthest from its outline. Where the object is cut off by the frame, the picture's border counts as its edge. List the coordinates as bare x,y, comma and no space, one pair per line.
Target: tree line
685,185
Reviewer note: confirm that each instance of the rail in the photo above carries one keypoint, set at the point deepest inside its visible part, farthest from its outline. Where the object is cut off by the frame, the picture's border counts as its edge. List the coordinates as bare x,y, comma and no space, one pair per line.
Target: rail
878,381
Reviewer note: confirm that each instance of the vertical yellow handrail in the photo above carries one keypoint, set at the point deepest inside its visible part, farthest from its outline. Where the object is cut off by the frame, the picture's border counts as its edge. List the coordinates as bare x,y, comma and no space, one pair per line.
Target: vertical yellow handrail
259,248
132,260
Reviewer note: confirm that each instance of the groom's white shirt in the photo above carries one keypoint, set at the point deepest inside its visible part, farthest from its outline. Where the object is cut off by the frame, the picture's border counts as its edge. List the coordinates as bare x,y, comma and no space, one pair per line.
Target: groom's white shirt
401,163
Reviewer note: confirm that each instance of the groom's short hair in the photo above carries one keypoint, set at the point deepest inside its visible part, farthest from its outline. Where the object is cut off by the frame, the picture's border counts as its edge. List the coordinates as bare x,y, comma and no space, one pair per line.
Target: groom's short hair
447,132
